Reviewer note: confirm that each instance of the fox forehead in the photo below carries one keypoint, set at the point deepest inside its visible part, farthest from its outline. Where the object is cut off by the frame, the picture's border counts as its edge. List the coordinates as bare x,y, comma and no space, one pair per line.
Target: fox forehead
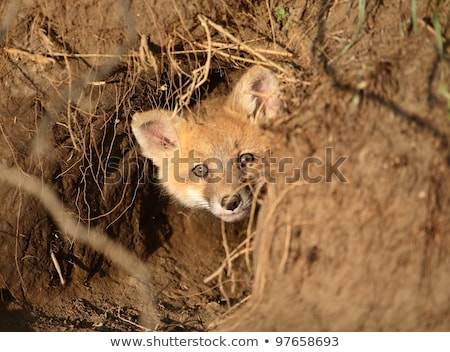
220,133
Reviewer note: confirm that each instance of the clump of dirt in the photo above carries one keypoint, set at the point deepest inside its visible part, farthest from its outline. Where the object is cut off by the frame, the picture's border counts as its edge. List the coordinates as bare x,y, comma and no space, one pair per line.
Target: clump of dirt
351,236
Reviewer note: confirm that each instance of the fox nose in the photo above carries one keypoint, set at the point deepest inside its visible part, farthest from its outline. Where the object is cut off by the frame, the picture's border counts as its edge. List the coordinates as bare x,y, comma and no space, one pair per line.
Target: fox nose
231,202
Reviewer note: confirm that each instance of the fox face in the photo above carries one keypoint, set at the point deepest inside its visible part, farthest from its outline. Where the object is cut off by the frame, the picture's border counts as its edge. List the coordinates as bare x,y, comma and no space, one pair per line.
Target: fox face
213,159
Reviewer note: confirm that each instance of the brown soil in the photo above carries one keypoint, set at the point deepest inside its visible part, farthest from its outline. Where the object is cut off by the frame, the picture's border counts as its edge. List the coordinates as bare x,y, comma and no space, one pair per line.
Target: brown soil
372,253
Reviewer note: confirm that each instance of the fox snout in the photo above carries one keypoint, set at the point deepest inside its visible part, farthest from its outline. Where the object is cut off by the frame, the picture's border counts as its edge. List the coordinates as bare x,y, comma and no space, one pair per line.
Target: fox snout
233,206
231,202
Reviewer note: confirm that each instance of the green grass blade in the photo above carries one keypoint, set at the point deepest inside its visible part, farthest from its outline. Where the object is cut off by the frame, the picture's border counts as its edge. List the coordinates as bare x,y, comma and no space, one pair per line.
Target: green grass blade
437,30
361,14
414,15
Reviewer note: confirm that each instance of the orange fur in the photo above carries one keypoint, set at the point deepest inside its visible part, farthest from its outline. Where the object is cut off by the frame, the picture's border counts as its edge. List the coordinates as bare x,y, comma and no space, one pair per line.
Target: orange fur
223,138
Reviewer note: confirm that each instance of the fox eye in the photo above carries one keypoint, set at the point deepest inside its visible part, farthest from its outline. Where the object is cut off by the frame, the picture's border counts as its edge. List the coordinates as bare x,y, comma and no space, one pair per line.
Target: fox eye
200,170
245,159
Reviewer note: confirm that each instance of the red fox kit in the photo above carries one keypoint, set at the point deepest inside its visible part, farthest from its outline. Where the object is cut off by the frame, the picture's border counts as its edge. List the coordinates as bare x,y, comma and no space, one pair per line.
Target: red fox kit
212,159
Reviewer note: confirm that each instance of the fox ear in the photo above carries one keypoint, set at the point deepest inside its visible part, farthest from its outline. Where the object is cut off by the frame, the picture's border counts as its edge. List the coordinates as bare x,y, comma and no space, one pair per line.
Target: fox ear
256,95
155,133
